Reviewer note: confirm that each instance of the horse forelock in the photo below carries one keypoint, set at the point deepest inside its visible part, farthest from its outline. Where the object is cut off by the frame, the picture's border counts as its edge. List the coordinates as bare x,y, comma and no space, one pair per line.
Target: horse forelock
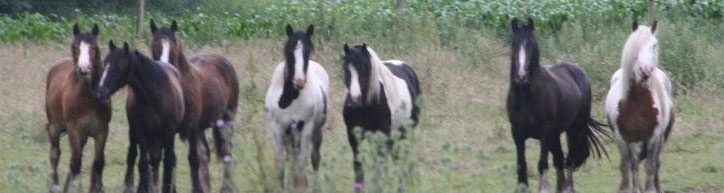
633,46
298,42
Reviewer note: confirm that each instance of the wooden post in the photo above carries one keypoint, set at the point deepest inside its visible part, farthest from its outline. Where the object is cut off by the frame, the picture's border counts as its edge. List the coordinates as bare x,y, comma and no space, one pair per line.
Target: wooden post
400,10
139,19
652,11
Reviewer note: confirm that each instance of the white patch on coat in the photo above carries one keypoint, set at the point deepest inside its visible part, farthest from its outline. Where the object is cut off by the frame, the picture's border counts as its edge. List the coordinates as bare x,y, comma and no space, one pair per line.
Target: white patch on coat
299,61
354,87
394,62
103,77
521,62
165,51
84,57
397,93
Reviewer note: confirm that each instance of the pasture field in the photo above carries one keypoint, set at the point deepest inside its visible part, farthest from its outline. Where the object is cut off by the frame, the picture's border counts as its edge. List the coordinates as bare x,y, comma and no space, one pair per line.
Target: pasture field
463,142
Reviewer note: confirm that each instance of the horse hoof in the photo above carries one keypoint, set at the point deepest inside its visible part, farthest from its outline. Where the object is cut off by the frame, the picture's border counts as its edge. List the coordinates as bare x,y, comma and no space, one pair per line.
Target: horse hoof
357,186
55,189
227,189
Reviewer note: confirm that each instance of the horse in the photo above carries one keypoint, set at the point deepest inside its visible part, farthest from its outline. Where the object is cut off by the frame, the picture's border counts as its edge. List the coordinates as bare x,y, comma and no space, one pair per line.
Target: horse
640,109
154,108
381,97
545,101
70,107
211,92
296,105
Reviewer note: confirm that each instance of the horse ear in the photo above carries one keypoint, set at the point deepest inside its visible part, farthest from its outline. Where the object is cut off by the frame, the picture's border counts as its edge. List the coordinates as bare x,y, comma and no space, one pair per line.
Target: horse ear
174,26
364,48
634,25
153,26
310,30
514,25
653,26
95,30
530,24
290,31
346,49
125,47
76,29
111,45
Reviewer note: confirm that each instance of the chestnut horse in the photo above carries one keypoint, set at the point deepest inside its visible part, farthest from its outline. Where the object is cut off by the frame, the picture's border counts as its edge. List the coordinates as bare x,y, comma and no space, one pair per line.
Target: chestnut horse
639,109
211,91
545,102
70,107
154,108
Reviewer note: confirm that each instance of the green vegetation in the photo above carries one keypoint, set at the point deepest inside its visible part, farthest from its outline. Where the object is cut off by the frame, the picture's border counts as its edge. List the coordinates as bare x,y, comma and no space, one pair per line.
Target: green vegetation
459,49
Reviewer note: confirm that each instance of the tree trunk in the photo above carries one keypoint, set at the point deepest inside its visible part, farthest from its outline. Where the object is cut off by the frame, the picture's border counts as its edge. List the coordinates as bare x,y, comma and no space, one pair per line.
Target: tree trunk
652,11
400,10
139,19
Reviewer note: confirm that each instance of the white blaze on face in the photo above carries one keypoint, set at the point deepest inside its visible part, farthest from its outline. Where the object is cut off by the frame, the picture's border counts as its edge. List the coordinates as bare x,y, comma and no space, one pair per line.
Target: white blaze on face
103,77
647,58
299,62
165,50
84,62
354,88
521,62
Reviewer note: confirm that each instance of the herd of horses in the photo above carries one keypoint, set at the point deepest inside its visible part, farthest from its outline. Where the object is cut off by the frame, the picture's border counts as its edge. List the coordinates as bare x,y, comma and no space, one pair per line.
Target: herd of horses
169,94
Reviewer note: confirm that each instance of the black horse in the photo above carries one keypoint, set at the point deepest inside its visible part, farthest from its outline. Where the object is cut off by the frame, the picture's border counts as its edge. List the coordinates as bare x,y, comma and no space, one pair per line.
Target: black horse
155,108
543,103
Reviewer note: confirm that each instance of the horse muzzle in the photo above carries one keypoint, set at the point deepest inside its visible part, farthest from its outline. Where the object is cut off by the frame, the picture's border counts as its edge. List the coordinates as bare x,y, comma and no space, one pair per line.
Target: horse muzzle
299,83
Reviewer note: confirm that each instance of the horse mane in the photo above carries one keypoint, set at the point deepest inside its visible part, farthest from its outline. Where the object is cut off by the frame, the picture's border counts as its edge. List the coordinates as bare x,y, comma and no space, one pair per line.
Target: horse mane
380,73
631,49
183,63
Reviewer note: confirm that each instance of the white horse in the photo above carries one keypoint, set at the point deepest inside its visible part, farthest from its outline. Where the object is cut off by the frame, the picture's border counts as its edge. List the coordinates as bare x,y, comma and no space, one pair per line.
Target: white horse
297,106
640,109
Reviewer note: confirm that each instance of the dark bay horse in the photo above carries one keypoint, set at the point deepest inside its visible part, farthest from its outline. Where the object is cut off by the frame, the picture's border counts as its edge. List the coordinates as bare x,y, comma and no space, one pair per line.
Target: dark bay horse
640,109
70,107
544,102
381,97
297,107
154,106
211,91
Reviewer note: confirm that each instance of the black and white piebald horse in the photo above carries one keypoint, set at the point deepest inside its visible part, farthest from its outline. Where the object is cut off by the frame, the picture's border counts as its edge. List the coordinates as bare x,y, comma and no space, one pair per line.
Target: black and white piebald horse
297,106
640,109
381,97
544,102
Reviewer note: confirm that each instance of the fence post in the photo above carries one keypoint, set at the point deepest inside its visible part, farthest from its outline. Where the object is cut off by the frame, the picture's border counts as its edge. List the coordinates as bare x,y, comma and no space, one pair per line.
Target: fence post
139,20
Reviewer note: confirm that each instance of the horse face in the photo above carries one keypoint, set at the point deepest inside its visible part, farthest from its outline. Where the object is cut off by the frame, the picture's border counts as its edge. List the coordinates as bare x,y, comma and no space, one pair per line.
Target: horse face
163,45
296,52
118,66
357,72
85,52
647,59
524,51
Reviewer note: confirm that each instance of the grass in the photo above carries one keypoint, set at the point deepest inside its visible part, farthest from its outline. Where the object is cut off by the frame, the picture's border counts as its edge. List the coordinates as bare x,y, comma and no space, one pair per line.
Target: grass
463,142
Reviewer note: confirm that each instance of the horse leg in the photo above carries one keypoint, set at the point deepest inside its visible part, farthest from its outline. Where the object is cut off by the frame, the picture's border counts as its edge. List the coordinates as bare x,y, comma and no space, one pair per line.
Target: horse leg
54,137
652,161
203,151
193,158
222,133
561,182
357,164
625,166
155,155
545,145
280,153
77,142
520,152
634,166
143,168
99,160
130,160
307,146
169,163
317,144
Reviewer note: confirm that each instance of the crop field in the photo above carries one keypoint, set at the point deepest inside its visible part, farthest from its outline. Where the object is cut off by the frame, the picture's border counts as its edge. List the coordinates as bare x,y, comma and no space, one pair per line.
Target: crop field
460,50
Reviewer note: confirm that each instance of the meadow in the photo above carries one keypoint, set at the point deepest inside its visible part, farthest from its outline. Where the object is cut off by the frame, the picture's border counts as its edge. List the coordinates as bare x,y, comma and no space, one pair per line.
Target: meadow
460,50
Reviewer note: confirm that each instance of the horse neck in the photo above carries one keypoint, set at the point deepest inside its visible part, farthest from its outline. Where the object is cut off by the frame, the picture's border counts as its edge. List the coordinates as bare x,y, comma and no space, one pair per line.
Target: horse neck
180,60
146,78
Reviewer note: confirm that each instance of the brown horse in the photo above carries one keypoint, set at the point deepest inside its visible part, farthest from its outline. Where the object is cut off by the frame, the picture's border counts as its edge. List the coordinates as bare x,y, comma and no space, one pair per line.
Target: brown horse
70,107
211,91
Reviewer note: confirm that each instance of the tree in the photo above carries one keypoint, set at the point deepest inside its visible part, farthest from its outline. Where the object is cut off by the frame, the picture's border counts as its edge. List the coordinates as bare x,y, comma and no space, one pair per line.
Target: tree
139,19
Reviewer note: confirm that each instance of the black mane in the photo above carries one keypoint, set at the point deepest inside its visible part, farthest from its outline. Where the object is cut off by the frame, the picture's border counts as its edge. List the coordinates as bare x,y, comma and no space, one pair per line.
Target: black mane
290,93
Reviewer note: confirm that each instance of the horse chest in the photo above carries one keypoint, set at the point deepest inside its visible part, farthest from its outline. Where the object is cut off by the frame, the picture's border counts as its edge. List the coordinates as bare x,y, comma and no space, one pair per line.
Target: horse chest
637,118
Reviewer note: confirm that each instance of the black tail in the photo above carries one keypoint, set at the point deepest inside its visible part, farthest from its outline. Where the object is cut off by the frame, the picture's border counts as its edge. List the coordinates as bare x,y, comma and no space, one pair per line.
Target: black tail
585,135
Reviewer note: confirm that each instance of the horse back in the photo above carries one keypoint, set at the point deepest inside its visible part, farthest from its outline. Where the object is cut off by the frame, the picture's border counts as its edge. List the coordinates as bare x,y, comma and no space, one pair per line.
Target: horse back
217,87
406,73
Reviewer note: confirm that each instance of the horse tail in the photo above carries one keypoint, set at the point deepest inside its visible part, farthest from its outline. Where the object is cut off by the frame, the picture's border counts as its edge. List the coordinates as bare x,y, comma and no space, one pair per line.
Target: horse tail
586,134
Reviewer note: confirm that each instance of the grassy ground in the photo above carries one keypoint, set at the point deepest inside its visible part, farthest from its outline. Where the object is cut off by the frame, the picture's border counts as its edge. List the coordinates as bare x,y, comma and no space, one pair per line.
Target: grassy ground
463,142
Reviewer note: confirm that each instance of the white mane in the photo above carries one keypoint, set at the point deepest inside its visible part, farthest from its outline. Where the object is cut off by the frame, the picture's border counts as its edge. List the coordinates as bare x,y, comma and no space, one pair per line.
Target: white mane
380,73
